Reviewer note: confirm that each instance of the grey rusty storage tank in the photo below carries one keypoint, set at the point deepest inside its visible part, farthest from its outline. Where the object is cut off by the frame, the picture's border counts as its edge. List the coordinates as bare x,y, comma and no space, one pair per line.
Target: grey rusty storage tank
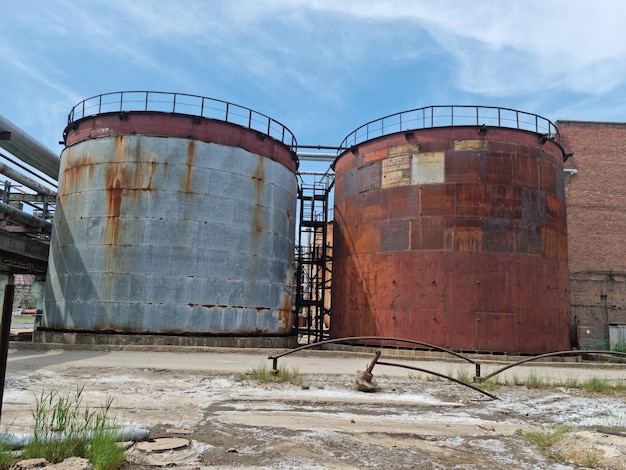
175,216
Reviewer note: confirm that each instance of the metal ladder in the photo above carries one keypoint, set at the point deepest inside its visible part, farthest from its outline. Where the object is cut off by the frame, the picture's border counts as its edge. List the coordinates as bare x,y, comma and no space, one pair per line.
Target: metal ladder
313,260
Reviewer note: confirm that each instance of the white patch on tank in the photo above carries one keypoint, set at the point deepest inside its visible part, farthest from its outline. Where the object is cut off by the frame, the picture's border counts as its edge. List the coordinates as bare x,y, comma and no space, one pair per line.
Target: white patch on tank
427,167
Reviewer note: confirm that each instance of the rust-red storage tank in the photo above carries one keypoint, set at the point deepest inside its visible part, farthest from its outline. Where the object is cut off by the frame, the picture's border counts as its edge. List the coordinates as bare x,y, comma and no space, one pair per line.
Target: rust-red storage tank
450,229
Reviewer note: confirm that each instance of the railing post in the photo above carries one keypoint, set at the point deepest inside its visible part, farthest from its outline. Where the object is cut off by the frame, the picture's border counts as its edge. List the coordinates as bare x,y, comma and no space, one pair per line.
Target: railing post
537,124
121,101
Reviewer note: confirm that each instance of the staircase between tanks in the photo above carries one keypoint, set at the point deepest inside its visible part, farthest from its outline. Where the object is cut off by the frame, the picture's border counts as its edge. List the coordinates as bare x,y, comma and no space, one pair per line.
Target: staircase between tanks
313,258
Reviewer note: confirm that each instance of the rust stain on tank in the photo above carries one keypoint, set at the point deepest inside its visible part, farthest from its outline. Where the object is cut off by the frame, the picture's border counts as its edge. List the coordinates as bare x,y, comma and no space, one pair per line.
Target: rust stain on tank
259,181
76,168
284,314
114,183
191,155
120,147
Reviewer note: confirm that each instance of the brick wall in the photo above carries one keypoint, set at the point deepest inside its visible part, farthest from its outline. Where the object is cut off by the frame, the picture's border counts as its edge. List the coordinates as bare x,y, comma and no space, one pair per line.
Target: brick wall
596,218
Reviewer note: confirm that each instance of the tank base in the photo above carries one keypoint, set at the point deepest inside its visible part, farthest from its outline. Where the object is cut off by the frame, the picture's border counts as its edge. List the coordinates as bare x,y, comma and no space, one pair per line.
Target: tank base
86,338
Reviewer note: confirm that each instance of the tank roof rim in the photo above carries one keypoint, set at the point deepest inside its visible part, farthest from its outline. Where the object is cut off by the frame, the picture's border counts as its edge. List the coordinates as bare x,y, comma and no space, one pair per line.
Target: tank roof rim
354,138
287,136
354,148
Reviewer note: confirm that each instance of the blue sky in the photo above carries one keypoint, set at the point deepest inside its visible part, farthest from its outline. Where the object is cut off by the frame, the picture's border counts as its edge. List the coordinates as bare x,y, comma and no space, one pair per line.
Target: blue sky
320,67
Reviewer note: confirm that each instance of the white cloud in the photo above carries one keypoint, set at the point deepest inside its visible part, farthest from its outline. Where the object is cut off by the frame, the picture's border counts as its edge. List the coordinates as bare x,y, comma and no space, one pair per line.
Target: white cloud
510,46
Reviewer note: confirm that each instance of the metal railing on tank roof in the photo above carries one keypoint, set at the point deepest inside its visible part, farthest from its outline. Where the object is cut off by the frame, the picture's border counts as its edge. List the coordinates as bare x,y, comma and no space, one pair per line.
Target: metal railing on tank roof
449,116
180,103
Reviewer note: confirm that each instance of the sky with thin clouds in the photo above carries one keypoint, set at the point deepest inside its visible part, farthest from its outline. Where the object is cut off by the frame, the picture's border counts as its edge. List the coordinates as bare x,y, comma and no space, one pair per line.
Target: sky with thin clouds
320,67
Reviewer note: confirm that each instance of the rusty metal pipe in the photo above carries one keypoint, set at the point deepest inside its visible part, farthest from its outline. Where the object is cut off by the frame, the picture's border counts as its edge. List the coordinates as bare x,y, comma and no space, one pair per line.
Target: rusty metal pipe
15,175
552,354
426,371
370,368
22,217
376,338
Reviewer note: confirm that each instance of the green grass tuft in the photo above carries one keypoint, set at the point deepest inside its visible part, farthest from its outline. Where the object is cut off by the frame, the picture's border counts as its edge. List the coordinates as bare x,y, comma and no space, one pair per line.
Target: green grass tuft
545,439
534,381
596,385
263,374
489,384
104,452
64,428
6,457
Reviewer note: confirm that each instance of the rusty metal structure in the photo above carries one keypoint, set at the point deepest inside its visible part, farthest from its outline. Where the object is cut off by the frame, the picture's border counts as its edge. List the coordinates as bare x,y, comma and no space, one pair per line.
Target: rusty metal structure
27,200
175,216
450,228
314,258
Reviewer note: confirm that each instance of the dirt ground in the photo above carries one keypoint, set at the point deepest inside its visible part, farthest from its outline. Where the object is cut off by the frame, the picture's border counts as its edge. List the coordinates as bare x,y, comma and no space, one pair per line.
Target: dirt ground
234,422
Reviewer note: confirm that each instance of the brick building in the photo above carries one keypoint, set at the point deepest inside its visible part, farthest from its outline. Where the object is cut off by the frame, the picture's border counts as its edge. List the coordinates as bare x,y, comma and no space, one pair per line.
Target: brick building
596,215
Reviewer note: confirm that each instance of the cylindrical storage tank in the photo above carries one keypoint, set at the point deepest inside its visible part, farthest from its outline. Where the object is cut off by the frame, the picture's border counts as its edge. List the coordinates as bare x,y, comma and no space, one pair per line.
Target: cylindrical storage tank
175,216
452,234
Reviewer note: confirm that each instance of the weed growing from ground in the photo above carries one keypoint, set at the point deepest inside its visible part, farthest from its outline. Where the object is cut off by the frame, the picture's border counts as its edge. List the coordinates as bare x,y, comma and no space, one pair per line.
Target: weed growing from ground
591,460
64,428
6,457
596,385
489,384
545,438
534,381
462,375
262,374
571,382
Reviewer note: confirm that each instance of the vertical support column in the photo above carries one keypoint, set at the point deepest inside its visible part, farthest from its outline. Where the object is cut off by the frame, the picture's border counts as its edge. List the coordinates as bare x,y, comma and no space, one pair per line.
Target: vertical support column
5,279
8,289
37,290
